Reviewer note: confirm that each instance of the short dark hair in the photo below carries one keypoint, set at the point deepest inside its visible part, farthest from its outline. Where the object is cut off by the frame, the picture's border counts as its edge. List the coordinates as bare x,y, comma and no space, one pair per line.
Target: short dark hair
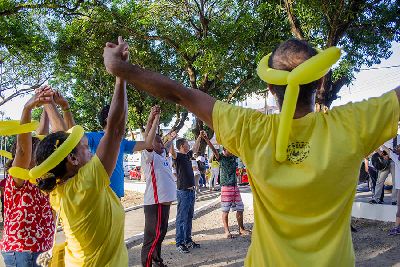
103,115
180,142
287,56
45,148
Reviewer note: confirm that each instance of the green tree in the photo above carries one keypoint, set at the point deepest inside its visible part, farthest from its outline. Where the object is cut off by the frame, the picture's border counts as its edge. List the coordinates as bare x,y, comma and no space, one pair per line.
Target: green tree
364,29
25,43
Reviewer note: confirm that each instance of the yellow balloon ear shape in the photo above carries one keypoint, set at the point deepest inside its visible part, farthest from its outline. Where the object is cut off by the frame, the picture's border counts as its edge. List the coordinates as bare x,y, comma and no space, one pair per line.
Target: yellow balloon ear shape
310,70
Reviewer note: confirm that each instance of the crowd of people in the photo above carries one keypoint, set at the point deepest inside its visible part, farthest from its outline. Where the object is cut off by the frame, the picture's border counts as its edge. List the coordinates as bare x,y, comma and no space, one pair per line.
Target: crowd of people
297,222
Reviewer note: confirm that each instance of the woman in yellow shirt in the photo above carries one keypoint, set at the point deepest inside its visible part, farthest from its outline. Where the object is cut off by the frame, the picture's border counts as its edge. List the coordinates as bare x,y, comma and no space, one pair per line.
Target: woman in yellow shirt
92,215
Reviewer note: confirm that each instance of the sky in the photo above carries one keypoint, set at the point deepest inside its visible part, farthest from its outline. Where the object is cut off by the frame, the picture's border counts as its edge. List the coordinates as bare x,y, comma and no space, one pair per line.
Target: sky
371,82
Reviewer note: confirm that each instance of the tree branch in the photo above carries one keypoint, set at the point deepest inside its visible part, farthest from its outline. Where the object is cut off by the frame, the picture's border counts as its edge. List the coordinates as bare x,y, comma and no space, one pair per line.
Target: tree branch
294,22
49,5
238,86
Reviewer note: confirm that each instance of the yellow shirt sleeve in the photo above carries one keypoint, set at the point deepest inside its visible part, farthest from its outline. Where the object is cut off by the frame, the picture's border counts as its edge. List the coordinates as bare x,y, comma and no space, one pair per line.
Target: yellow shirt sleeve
233,125
372,121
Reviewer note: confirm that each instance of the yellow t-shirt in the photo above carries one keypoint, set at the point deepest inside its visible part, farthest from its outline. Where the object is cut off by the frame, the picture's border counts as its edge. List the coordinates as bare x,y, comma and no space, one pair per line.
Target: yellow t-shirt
93,218
302,206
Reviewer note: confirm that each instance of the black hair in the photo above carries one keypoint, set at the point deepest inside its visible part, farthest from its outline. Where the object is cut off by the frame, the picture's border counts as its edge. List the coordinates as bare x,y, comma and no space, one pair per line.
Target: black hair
13,150
46,147
287,56
180,142
103,115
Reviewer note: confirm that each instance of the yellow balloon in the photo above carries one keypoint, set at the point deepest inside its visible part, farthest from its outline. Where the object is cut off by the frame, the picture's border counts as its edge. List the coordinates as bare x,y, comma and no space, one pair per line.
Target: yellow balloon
310,70
59,154
314,65
9,123
13,128
22,174
19,173
269,75
6,154
285,123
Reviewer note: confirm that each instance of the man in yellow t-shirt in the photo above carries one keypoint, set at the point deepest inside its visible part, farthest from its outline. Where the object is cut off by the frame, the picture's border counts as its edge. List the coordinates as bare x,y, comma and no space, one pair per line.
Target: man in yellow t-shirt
302,206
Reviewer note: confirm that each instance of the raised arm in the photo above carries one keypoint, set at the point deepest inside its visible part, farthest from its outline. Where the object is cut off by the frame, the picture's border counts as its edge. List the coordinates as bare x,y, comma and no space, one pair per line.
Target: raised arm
169,140
148,142
43,128
23,154
205,137
196,145
155,84
150,120
60,100
109,145
56,121
173,152
150,131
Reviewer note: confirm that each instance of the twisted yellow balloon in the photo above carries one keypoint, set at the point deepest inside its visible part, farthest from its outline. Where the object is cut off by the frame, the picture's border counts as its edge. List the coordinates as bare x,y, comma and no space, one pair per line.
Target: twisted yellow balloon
52,161
14,127
59,154
310,70
6,154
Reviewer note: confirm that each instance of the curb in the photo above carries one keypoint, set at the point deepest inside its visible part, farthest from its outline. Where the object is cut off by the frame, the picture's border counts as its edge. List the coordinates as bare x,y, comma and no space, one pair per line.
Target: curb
133,208
130,242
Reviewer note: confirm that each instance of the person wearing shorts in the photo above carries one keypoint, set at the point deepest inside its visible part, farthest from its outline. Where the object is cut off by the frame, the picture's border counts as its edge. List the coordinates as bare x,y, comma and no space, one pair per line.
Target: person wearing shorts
230,194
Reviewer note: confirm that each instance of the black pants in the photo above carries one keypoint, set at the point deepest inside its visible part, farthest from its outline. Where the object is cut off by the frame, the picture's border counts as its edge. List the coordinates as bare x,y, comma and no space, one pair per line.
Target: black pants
155,227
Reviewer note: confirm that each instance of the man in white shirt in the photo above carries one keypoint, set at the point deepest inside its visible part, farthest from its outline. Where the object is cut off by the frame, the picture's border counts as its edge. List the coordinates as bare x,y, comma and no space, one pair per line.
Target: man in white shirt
159,194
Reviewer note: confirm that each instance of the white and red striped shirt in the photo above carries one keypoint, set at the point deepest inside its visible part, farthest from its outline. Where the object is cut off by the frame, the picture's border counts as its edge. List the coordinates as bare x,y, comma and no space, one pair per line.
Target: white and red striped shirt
160,184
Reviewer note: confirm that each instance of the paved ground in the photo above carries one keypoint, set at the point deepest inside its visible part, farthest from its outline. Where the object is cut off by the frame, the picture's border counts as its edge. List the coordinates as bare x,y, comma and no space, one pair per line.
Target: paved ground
134,220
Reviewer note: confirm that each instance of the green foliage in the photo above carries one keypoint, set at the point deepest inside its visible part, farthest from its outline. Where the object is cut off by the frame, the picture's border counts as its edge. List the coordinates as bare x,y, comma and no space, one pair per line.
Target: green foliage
189,135
364,30
213,46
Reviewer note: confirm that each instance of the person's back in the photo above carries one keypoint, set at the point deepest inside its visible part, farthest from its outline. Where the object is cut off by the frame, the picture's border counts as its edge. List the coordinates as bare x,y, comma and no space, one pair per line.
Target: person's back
303,194
302,206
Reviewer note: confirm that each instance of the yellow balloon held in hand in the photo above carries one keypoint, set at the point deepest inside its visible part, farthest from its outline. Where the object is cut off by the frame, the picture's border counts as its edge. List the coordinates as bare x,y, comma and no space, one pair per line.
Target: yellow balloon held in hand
310,70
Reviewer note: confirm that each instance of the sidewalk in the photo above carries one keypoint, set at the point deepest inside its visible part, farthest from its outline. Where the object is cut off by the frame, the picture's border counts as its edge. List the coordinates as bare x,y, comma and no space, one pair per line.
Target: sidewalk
134,219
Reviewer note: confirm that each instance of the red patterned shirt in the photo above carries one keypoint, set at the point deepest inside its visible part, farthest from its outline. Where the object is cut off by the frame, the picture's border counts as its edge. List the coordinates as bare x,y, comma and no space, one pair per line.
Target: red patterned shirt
28,219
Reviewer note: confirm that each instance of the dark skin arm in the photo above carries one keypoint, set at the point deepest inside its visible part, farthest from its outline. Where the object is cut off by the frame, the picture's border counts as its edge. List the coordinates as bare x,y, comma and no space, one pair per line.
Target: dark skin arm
149,134
43,128
169,140
108,148
197,102
60,100
205,137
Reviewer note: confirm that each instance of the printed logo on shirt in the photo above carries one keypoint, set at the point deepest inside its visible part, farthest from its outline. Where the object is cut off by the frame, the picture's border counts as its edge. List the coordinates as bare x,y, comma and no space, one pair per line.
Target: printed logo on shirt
297,152
165,163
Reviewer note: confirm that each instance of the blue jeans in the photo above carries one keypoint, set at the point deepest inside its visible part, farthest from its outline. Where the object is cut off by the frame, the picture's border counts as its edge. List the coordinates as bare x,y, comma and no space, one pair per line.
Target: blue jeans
20,259
184,216
202,181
